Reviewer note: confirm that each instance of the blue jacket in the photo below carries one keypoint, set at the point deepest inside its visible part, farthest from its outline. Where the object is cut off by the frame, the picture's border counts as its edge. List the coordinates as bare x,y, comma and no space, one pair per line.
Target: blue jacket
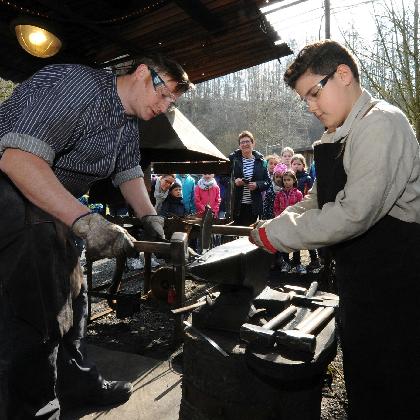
188,184
304,182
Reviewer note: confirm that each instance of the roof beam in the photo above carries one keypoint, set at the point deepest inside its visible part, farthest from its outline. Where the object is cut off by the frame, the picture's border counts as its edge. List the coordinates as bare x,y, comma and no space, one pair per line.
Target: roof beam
198,12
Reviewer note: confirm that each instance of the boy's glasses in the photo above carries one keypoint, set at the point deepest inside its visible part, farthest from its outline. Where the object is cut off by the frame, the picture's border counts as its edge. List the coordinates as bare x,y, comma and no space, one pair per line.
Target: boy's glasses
160,86
313,94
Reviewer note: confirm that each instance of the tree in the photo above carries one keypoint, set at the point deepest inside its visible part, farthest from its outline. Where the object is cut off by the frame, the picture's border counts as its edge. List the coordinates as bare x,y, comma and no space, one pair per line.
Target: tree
391,64
6,89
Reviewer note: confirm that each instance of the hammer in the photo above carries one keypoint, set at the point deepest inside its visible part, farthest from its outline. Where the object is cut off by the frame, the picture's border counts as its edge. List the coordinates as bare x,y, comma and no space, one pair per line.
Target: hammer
298,339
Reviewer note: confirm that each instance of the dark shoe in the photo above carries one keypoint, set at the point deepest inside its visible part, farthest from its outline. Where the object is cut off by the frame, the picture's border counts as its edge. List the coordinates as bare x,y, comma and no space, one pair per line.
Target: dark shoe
111,392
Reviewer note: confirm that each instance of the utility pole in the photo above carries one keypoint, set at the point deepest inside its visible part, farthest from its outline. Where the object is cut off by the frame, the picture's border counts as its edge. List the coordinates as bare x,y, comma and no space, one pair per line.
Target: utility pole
327,19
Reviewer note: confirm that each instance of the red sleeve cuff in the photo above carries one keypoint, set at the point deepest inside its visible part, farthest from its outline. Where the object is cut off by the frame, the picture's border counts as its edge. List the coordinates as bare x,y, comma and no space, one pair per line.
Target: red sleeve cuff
265,241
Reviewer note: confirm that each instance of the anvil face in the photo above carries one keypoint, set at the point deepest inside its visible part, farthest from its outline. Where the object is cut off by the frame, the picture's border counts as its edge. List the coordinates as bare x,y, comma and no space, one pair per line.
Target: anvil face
235,263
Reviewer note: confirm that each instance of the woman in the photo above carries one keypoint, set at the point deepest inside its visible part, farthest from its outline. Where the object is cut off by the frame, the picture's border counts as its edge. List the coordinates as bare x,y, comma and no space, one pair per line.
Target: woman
160,190
251,179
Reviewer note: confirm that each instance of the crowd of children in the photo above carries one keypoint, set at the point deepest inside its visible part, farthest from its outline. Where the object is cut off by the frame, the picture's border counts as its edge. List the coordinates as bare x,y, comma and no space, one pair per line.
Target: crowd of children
183,195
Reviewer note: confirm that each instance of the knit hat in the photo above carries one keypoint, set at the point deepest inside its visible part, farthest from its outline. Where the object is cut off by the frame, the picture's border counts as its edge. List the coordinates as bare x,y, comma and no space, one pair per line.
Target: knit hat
280,168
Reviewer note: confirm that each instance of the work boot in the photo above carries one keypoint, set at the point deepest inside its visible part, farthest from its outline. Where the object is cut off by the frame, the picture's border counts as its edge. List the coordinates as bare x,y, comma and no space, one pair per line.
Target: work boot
110,393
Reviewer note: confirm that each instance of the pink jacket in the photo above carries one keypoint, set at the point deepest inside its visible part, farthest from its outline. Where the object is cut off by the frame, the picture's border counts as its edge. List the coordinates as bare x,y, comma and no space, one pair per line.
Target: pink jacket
285,199
204,197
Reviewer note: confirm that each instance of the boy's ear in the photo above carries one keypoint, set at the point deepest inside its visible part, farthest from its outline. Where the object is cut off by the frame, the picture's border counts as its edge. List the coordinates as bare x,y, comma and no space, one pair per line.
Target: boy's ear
345,74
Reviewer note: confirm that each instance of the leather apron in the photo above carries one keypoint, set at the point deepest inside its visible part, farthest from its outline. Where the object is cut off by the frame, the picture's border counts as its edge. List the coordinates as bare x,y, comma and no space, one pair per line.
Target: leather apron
378,275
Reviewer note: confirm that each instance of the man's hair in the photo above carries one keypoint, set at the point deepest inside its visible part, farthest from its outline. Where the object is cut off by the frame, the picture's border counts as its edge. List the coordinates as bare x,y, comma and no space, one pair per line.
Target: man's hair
287,149
165,65
321,57
300,157
246,134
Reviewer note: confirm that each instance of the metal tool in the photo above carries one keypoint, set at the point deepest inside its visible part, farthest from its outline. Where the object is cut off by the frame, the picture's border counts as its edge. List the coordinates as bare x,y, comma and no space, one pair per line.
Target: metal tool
298,339
205,337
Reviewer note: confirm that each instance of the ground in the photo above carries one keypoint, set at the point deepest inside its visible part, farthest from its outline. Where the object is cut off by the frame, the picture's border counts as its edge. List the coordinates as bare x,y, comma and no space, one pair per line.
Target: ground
150,332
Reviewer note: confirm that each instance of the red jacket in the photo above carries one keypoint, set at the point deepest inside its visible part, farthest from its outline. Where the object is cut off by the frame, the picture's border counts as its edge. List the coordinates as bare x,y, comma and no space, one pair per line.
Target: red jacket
204,197
285,199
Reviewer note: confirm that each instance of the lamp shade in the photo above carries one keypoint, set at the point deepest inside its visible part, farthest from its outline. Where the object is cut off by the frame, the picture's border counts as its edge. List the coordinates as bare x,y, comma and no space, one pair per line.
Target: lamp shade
37,41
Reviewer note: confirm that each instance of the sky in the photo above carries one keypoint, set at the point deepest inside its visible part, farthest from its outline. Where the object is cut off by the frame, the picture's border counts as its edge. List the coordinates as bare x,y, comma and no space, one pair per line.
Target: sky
304,22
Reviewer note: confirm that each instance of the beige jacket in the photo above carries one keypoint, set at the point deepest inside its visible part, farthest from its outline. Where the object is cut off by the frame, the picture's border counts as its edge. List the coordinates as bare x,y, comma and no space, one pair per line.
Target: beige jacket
382,163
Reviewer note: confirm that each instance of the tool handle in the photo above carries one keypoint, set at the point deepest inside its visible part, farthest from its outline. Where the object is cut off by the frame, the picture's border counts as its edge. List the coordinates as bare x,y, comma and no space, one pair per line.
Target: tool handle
280,318
325,315
309,318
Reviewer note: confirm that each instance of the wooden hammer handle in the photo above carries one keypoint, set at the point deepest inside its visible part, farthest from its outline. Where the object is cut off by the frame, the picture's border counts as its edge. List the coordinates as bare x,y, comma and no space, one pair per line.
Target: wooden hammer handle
280,318
325,315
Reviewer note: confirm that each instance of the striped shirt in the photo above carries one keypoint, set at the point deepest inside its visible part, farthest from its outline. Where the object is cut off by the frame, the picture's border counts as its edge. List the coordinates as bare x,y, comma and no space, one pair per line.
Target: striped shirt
248,170
72,117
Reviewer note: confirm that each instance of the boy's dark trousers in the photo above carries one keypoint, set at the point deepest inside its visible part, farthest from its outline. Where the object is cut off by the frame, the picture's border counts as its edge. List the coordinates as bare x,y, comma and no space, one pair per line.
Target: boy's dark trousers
295,258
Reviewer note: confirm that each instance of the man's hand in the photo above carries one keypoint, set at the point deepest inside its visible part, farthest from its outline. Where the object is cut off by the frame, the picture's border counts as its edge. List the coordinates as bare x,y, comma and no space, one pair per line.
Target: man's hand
258,237
103,239
153,226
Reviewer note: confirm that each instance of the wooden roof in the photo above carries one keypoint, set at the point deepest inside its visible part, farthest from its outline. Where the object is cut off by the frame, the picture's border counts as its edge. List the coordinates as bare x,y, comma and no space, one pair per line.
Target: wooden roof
210,38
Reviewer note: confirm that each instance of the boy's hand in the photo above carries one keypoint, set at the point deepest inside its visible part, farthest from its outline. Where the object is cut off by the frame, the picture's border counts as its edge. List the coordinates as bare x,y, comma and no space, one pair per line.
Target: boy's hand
258,237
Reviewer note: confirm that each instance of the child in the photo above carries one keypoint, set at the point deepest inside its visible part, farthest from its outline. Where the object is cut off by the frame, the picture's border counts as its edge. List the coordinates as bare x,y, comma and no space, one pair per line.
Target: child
286,156
288,196
173,204
207,192
305,183
273,189
272,161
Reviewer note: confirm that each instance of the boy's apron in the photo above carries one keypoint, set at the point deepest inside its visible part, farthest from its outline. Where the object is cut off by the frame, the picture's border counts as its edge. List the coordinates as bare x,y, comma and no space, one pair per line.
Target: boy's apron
378,276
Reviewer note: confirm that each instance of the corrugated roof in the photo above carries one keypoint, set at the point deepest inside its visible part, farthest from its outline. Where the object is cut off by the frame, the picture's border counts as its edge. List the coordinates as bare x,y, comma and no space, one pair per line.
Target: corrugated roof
210,38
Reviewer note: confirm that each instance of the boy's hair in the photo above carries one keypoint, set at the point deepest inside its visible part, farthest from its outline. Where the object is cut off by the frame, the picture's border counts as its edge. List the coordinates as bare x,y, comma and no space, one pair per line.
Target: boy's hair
292,175
321,57
246,134
300,157
287,149
174,186
272,156
165,65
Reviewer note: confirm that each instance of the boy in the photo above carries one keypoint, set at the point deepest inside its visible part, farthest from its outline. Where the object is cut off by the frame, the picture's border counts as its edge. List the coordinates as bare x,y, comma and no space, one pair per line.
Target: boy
367,194
173,204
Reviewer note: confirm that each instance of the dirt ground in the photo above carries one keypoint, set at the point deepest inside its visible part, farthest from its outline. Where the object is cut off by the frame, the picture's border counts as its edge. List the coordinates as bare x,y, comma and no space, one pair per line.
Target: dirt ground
150,332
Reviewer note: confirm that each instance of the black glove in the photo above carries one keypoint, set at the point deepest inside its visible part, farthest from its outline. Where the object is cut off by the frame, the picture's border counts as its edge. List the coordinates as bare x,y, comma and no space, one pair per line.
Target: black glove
153,227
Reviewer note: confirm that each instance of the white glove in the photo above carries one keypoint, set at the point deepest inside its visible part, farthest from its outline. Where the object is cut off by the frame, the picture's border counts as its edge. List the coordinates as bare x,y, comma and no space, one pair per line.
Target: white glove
103,239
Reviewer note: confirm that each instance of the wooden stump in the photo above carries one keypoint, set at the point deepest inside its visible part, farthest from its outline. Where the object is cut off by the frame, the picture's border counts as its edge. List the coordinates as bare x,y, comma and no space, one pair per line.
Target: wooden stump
215,387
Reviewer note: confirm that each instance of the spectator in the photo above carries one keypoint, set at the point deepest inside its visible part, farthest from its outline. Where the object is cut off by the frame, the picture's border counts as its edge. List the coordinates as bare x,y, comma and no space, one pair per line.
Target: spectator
160,190
286,156
207,192
173,204
188,184
272,161
251,179
273,189
288,195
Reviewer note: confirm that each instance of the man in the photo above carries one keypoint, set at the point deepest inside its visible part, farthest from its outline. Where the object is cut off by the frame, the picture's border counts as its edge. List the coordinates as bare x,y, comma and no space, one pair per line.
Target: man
61,130
365,206
251,179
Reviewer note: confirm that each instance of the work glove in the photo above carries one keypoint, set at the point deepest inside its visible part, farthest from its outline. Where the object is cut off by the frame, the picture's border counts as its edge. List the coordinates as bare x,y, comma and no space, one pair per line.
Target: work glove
103,239
258,237
153,227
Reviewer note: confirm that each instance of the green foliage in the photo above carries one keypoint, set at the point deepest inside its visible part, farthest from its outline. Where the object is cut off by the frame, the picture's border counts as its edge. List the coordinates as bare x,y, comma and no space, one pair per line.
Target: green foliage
6,89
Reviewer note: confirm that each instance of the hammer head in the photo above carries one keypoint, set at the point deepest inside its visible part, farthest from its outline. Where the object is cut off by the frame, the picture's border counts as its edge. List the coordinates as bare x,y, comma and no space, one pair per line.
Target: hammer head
292,339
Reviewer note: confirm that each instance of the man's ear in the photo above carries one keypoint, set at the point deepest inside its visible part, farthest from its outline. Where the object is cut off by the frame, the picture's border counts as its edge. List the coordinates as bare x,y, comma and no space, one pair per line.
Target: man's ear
141,72
345,75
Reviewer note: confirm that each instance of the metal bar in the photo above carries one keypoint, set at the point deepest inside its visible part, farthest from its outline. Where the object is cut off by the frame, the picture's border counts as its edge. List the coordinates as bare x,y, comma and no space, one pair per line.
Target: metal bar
231,230
148,246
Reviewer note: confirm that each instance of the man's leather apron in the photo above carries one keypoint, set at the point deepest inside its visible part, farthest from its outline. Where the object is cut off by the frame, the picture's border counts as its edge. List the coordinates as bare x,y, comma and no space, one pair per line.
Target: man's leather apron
39,279
378,276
